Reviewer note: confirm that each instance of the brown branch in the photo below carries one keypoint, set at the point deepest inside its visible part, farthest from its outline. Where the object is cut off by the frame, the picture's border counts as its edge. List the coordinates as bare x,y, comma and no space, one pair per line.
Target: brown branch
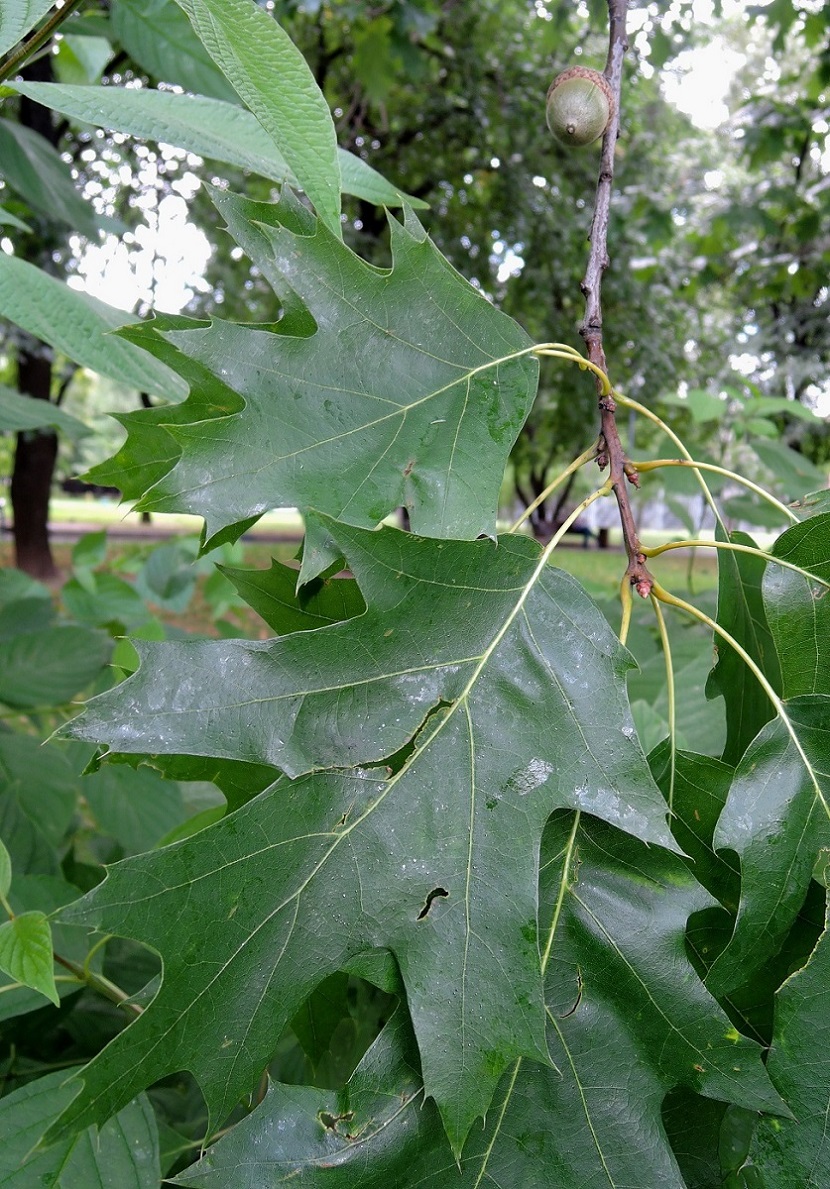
611,452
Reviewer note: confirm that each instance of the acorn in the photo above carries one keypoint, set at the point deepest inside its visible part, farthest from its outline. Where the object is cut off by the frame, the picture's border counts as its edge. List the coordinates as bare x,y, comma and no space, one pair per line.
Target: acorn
579,106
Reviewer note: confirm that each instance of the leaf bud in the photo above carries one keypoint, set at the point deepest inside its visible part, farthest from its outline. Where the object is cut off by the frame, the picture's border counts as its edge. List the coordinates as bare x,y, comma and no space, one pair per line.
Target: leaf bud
579,106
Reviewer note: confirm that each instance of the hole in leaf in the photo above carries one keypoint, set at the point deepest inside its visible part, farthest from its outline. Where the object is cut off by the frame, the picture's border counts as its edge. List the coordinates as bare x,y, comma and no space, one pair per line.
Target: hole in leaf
394,763
442,892
330,1122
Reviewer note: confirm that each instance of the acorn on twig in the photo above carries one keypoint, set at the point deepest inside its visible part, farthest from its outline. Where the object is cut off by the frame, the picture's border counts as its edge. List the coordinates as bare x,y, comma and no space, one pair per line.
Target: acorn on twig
579,106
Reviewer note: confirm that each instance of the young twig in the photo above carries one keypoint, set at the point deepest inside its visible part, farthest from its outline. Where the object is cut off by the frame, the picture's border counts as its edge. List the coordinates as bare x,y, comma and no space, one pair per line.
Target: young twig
611,454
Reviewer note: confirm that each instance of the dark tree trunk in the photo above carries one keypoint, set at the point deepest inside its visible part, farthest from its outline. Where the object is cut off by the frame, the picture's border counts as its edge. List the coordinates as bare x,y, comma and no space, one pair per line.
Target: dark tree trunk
34,465
146,403
36,452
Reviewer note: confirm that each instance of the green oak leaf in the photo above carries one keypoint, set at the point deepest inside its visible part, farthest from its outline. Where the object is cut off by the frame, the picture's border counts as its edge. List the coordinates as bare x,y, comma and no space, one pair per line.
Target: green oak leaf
26,952
411,390
507,684
701,786
794,1151
124,1154
741,613
777,820
273,594
798,608
628,1020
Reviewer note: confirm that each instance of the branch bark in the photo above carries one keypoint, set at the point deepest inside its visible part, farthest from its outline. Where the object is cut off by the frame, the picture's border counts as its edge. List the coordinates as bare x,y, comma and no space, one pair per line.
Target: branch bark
611,452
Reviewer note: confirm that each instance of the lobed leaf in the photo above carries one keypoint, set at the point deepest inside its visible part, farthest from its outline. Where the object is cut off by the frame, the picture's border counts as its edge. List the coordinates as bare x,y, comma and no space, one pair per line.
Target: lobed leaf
741,613
777,819
798,608
411,390
274,596
794,1151
627,1021
500,677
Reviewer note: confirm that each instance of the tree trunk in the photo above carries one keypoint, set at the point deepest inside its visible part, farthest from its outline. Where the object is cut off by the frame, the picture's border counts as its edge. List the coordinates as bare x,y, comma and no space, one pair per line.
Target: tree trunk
36,452
34,465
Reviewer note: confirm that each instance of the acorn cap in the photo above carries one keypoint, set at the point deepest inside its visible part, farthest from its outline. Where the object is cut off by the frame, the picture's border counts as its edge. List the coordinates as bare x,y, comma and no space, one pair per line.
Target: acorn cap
580,104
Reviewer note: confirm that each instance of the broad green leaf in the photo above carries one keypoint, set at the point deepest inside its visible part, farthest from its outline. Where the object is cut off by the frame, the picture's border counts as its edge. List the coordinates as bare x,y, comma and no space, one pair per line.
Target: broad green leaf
136,808
741,613
26,953
270,74
794,1151
702,405
238,781
15,585
753,510
628,1020
18,18
792,470
273,595
44,894
501,672
89,552
123,1155
79,325
80,61
35,169
48,667
798,609
105,600
412,390
159,37
766,406
43,778
18,412
777,820
357,177
212,129
25,615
